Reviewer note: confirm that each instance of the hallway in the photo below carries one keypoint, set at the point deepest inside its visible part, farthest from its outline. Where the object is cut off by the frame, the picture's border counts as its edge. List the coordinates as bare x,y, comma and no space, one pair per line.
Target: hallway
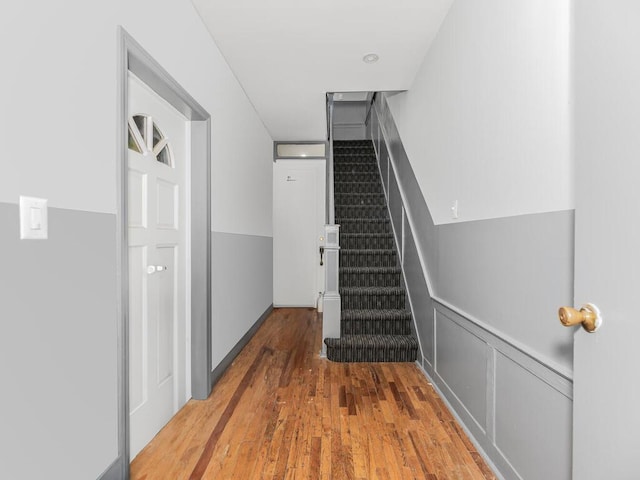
282,412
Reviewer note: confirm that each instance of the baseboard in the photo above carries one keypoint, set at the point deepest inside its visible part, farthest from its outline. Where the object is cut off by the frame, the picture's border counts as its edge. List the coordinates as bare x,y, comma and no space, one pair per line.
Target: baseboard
115,471
217,372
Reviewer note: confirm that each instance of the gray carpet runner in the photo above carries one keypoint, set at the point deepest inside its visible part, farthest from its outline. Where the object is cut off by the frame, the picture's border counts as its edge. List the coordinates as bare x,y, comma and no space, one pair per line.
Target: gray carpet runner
375,324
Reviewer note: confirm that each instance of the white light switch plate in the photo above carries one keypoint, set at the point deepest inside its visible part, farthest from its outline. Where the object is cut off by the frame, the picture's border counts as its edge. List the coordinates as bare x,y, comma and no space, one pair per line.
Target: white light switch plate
33,218
454,209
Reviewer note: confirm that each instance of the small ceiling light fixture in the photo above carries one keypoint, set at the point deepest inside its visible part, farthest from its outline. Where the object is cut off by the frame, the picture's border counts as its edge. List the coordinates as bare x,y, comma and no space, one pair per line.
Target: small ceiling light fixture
370,58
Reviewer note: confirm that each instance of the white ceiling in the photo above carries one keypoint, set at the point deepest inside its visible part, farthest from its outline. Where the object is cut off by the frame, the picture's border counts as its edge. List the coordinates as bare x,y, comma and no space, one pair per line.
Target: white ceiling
288,53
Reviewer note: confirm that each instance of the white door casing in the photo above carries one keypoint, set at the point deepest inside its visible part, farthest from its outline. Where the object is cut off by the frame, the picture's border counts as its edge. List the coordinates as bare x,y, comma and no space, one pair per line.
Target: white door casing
157,220
607,238
298,229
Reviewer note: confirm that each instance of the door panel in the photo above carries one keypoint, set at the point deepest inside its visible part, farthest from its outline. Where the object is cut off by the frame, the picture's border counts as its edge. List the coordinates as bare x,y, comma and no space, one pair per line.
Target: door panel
166,311
137,326
167,198
137,214
607,258
157,265
298,224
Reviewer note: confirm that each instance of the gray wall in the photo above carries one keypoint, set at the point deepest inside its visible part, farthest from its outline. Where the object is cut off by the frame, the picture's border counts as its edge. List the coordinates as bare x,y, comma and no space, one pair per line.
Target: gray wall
242,268
58,300
484,295
349,120
58,347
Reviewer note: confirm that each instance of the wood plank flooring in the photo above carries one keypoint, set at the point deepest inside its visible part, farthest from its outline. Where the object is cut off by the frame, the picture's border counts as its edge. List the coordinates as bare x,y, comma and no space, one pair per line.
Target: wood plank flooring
282,412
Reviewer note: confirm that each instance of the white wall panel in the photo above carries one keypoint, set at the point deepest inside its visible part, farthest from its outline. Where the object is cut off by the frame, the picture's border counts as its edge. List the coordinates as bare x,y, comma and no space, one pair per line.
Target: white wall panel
58,130
486,121
59,105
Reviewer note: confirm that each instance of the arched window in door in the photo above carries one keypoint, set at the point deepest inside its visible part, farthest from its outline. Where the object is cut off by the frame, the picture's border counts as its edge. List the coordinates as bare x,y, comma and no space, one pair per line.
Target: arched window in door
145,137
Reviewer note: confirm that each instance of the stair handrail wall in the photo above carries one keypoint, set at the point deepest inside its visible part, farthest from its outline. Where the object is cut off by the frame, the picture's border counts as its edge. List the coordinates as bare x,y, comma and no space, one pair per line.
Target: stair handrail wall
331,305
330,187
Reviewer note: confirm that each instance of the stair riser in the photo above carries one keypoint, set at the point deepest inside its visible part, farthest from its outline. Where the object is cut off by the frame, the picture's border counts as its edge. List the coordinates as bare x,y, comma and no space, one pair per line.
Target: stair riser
358,187
372,354
357,177
369,279
355,159
338,150
364,227
362,199
366,242
366,211
372,258
364,301
375,327
355,168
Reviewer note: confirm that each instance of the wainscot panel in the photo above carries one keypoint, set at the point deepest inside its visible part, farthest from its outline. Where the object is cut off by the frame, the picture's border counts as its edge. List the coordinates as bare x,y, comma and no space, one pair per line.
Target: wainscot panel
461,364
533,425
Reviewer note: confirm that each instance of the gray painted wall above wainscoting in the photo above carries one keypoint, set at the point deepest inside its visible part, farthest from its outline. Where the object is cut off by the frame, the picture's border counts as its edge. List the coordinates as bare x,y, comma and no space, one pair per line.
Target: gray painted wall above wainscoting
484,296
513,274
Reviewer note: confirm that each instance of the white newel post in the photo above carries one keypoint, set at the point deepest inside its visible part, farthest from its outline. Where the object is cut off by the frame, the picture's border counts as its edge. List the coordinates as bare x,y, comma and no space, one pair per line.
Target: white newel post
331,299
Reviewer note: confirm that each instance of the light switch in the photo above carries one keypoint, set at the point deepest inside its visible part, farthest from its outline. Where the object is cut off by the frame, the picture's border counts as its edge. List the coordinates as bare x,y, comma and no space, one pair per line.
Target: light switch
33,218
454,209
36,218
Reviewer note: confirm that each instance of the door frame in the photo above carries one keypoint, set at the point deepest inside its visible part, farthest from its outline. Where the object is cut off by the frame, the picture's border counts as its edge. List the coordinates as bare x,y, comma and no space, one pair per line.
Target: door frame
133,58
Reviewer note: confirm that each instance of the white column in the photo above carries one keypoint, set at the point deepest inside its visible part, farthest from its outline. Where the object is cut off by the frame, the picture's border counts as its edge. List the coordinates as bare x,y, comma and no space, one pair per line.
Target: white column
331,299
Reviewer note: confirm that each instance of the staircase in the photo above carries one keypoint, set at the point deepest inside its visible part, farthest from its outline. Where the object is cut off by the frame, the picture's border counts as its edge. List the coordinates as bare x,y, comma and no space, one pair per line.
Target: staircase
375,324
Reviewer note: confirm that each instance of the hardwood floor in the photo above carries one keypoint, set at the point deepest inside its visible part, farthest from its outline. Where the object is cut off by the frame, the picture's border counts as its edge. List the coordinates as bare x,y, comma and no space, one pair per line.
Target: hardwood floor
282,412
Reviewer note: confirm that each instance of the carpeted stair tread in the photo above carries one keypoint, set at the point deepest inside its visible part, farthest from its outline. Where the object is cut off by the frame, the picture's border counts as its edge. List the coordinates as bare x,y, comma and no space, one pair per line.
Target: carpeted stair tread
358,158
349,167
365,241
358,187
364,143
353,198
372,290
372,348
375,324
370,276
361,211
357,257
363,225
370,177
372,297
382,314
371,270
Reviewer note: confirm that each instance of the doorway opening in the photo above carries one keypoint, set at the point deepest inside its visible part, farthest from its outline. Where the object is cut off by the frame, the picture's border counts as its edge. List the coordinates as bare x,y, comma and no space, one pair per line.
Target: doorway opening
134,60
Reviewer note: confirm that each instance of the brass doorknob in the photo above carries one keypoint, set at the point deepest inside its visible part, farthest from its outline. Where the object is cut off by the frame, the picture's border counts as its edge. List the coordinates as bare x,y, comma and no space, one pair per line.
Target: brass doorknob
588,316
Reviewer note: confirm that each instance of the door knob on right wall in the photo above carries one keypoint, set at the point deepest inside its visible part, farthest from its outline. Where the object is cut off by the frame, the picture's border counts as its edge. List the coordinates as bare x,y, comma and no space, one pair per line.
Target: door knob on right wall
588,316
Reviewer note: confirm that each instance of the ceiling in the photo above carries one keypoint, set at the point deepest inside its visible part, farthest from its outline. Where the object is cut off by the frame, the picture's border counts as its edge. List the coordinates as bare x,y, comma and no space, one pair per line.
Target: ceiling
288,53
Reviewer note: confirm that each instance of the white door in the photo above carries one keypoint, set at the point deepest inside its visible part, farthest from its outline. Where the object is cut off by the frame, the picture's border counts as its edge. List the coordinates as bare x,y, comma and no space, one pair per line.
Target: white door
157,310
607,237
298,226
